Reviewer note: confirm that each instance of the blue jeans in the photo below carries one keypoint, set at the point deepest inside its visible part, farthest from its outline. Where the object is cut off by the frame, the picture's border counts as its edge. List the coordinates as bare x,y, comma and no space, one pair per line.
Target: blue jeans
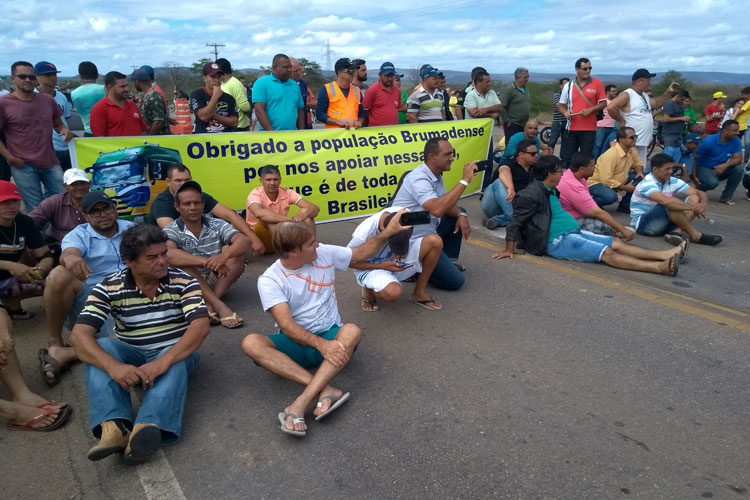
446,275
162,405
601,136
494,204
709,180
655,222
29,180
557,132
604,196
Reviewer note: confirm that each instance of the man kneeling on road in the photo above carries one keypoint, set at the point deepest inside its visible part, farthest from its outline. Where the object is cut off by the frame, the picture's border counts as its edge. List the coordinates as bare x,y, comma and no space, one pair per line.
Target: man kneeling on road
161,322
381,275
298,291
576,199
208,249
657,209
544,227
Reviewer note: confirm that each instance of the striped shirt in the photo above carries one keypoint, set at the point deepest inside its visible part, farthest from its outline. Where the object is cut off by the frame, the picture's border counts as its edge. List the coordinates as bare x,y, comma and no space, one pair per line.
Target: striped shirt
215,234
429,108
556,115
641,202
140,321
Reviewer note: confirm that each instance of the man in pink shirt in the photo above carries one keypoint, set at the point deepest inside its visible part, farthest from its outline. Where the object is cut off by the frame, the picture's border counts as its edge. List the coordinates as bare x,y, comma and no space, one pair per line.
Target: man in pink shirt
576,200
269,204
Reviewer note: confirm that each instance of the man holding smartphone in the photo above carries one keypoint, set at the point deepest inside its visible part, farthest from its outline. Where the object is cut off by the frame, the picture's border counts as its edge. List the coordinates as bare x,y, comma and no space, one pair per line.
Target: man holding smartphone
399,260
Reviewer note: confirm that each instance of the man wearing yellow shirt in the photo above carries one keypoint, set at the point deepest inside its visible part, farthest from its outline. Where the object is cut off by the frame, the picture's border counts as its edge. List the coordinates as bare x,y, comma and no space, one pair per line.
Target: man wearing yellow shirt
232,86
617,170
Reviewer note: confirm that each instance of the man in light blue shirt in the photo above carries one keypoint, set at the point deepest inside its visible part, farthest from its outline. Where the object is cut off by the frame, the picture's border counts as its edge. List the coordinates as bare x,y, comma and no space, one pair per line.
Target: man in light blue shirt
90,252
88,94
277,100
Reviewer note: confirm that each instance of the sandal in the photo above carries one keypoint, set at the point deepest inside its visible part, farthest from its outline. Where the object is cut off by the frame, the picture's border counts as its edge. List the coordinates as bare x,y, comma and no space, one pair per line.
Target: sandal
728,202
233,317
369,305
430,304
62,417
48,364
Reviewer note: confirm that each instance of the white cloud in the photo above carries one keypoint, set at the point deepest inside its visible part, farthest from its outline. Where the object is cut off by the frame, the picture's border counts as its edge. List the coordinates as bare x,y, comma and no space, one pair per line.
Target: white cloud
547,35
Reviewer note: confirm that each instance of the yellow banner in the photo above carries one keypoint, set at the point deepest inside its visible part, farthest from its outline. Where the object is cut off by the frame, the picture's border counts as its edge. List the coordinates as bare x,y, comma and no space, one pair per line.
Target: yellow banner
347,173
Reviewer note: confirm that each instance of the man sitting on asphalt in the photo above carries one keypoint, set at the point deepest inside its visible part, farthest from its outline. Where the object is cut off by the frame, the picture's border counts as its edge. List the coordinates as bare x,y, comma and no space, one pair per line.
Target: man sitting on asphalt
298,291
540,223
719,157
163,210
657,208
530,133
207,248
381,275
576,199
89,254
423,189
268,205
161,322
512,177
617,170
62,212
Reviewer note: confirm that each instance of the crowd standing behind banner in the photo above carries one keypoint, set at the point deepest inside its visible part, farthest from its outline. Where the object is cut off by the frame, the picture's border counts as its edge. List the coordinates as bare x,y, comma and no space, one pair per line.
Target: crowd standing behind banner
163,282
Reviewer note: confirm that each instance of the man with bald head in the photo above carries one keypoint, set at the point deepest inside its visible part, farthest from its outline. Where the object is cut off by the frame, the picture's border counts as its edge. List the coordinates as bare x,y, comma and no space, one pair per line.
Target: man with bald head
530,133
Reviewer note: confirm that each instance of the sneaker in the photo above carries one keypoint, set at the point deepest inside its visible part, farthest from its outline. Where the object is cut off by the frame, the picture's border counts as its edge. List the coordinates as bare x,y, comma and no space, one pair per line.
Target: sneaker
747,194
489,223
673,239
710,239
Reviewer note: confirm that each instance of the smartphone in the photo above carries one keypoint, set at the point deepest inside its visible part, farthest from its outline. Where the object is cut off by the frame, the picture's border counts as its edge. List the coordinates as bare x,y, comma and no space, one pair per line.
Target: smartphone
403,264
483,164
415,218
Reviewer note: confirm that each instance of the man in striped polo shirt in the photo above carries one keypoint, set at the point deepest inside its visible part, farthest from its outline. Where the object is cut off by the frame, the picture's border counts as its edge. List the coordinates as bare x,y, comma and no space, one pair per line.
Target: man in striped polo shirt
161,321
211,250
426,103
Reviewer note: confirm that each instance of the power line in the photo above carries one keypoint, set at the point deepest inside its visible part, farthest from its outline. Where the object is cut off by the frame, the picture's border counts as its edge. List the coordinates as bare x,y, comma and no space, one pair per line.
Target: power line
216,48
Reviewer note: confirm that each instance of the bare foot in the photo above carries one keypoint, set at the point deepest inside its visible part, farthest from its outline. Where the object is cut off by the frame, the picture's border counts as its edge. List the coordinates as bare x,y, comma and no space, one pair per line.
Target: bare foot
36,401
23,414
326,403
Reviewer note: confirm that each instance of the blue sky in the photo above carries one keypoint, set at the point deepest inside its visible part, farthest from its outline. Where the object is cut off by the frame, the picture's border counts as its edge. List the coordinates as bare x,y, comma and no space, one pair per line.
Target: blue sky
542,35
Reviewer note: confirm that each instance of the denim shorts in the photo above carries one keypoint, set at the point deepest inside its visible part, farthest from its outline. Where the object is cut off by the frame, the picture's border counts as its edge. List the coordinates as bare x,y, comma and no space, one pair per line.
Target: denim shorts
581,246
306,357
655,222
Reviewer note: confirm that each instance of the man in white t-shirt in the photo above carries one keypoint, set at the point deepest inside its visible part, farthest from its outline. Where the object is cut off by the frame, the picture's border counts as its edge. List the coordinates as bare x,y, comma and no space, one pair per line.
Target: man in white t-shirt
401,259
298,291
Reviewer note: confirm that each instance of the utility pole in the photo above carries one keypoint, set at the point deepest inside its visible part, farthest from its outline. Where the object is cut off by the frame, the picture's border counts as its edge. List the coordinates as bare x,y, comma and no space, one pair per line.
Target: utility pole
216,48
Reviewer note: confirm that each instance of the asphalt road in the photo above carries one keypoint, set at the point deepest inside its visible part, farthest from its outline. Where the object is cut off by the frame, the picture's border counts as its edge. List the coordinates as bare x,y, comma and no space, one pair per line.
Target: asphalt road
540,379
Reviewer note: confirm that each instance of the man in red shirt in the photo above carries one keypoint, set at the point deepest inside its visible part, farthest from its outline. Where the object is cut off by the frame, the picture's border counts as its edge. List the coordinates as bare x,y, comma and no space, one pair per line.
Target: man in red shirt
715,112
116,115
580,101
383,101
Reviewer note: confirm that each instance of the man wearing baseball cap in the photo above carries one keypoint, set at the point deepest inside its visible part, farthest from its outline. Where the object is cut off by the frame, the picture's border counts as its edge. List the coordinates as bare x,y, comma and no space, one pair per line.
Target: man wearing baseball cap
46,73
383,100
633,108
60,213
27,119
340,102
215,111
116,115
715,112
425,104
380,276
90,252
153,107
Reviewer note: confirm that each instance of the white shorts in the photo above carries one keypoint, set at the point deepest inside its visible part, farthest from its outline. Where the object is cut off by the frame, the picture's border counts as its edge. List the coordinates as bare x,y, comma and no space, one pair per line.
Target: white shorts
377,279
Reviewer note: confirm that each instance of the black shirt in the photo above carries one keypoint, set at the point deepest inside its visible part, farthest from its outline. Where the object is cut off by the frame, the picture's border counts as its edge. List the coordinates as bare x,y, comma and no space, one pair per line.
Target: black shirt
14,239
163,206
521,178
225,106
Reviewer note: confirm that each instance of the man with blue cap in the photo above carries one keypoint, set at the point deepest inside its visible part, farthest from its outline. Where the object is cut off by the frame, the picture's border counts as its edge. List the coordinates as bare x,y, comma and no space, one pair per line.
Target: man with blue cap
383,100
426,103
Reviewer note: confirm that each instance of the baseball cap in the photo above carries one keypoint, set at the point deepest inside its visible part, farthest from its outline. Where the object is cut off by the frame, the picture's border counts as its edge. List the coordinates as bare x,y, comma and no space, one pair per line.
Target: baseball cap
9,191
45,68
140,75
188,185
74,175
398,243
211,69
94,197
691,137
642,73
427,71
149,71
387,69
719,95
344,63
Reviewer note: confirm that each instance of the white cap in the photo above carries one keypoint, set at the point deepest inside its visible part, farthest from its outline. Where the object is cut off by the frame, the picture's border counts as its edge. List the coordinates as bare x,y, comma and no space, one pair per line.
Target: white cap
74,175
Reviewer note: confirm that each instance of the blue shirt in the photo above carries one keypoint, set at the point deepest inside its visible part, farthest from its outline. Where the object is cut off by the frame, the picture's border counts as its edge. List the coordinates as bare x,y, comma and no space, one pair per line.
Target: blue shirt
420,186
282,100
102,254
85,98
712,152
510,148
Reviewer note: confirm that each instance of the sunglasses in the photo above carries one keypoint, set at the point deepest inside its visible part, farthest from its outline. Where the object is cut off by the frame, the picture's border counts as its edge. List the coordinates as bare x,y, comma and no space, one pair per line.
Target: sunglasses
97,212
633,137
534,153
586,69
25,76
351,71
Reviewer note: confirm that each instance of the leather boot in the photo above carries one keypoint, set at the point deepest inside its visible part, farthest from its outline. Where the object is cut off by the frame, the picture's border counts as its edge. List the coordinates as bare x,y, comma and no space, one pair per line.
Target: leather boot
114,439
144,441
